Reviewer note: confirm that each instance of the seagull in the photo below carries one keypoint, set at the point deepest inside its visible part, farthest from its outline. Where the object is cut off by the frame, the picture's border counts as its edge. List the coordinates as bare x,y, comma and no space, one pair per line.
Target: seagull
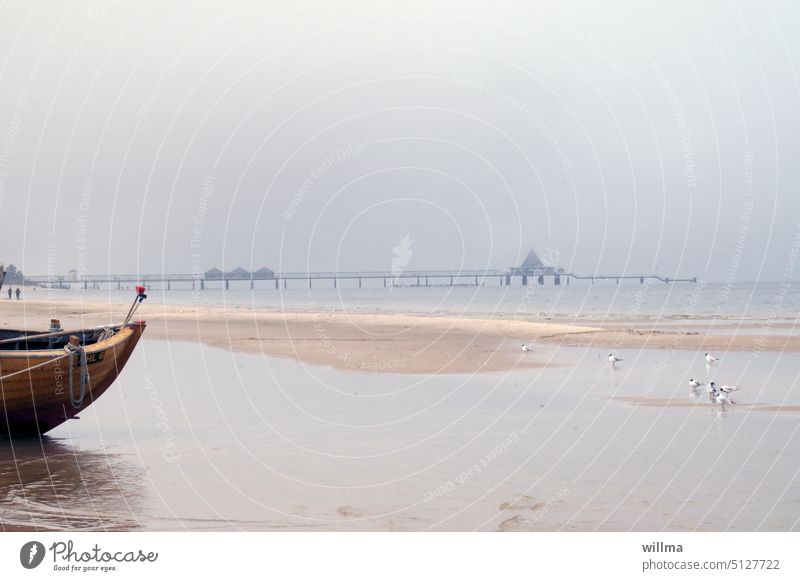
727,390
722,399
613,358
710,358
526,348
694,384
712,392
720,396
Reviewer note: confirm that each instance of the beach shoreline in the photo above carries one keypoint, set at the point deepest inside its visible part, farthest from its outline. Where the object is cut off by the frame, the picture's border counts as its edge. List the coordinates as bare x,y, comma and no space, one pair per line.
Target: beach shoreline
395,343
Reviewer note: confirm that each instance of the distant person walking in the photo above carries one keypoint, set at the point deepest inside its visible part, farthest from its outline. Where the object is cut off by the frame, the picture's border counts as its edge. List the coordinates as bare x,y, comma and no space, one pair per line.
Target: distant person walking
9,293
17,292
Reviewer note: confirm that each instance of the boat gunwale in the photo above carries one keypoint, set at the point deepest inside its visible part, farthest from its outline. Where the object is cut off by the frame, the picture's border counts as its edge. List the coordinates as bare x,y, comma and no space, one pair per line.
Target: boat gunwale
116,339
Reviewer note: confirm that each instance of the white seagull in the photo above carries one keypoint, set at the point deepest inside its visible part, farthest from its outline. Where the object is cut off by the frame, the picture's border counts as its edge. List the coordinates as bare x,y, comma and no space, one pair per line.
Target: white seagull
694,384
710,358
721,396
722,399
613,358
526,348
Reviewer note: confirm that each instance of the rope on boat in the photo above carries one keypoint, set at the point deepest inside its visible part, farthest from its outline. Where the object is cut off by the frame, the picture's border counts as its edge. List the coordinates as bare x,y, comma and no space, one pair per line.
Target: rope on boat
71,350
104,333
101,333
101,329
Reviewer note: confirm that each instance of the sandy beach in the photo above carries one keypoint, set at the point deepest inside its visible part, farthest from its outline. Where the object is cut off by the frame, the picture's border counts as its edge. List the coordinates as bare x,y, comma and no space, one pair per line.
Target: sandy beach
341,417
380,342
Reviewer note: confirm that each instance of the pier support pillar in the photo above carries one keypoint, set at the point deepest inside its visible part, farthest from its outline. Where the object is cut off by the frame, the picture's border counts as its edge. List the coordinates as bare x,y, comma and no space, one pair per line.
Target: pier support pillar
169,285
359,282
384,282
334,282
276,284
451,281
85,285
540,280
119,285
557,279
417,281
476,281
285,282
524,280
309,284
202,284
508,280
426,281
227,284
252,284
641,280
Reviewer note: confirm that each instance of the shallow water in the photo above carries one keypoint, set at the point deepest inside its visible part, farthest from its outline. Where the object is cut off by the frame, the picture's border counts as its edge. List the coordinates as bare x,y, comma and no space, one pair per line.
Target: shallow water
704,303
193,437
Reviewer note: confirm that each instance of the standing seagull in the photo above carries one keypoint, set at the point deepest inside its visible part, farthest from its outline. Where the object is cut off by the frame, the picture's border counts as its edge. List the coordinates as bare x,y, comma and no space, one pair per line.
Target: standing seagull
526,348
720,395
710,358
712,392
613,358
694,384
722,399
727,390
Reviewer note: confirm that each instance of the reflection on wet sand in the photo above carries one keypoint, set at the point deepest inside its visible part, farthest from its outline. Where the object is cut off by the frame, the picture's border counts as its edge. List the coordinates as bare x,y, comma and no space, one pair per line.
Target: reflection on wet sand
681,403
50,485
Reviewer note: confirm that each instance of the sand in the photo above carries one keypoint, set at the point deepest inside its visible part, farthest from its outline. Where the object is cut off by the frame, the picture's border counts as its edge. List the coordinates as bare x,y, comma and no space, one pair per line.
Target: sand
396,343
702,402
207,439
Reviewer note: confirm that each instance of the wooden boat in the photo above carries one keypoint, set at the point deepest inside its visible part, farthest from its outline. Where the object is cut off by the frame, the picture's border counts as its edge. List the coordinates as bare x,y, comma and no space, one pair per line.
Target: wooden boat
48,378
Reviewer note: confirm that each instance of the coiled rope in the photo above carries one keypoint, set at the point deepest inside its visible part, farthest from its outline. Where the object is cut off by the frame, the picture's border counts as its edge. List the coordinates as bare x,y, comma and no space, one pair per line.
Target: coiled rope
69,353
71,350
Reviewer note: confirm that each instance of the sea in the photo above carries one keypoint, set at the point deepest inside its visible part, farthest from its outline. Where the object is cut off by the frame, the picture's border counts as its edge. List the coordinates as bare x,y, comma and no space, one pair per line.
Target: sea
774,303
192,437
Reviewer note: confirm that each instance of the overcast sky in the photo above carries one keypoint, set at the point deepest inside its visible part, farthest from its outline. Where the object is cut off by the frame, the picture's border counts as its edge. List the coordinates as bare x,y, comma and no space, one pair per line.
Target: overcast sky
610,136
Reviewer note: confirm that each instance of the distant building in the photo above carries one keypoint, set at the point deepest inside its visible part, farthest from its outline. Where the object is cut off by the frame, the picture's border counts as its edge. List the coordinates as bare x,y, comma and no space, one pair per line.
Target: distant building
533,265
263,273
237,273
72,275
213,273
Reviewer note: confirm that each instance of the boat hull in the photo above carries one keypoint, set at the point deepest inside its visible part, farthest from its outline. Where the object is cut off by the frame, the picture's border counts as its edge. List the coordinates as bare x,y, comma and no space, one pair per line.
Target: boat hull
36,401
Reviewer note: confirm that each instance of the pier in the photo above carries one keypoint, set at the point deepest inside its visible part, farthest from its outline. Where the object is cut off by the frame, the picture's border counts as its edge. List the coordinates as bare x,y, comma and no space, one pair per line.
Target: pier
356,279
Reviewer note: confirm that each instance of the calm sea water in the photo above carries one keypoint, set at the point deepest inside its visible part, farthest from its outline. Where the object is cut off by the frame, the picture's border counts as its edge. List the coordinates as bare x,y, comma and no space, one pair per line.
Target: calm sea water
764,301
192,437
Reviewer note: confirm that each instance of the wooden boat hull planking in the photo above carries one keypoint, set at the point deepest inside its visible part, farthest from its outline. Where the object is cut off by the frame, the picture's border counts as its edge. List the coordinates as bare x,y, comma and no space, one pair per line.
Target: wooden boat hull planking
37,401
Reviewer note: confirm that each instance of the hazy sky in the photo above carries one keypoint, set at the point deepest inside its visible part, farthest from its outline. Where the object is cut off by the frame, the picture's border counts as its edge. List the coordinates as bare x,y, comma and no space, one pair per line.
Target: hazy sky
610,136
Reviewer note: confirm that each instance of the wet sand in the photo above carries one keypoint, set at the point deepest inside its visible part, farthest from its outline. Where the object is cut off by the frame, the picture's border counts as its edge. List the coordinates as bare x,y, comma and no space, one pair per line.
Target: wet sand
193,437
701,401
255,420
397,343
